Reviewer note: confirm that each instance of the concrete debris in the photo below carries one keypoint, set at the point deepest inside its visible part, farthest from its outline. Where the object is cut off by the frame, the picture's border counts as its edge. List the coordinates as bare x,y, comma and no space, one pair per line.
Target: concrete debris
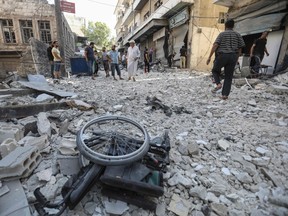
227,157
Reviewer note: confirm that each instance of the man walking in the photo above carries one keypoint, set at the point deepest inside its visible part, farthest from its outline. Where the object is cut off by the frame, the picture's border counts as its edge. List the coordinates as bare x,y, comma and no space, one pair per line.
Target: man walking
113,54
146,61
183,55
51,59
133,54
257,51
89,55
228,46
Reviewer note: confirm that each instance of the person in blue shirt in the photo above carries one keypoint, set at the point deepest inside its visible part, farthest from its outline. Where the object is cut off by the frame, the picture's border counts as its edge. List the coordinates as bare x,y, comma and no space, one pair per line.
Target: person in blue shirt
90,58
114,61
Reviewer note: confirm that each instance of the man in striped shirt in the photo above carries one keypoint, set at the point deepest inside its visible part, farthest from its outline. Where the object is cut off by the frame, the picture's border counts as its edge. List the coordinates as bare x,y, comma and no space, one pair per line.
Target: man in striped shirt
227,48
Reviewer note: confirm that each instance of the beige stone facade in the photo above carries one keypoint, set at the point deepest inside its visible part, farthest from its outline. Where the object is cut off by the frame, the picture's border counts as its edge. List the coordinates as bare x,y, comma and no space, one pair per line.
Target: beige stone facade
170,24
22,20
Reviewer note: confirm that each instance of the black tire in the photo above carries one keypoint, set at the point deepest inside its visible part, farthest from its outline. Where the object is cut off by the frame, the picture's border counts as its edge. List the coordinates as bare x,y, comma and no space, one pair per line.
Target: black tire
113,140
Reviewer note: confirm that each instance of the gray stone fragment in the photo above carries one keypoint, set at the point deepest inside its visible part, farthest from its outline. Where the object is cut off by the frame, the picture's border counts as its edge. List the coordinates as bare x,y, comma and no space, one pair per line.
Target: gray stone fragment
90,207
218,189
235,212
233,197
115,207
244,178
44,98
252,102
219,209
226,171
161,209
180,179
261,150
43,124
193,148
69,165
179,206
211,197
223,144
45,175
198,191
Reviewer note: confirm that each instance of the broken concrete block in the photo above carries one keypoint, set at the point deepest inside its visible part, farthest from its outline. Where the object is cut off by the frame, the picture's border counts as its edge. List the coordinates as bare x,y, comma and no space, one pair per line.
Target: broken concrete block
29,124
14,203
274,89
10,131
43,124
7,146
39,142
45,175
219,209
68,146
20,163
69,165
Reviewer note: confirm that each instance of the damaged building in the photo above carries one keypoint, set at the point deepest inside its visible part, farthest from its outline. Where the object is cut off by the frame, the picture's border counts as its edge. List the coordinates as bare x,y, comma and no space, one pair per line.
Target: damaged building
256,16
170,24
26,29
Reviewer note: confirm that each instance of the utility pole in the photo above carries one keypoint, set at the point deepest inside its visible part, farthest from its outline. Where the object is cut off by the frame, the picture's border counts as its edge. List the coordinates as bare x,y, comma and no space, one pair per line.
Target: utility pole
60,34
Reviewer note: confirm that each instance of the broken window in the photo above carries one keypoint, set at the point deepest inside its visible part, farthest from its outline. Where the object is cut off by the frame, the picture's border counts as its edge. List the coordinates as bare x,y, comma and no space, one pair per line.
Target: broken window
26,30
8,31
45,31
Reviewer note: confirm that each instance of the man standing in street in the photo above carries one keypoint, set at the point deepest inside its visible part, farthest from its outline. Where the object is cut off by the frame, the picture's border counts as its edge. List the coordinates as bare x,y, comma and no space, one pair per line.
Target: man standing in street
89,56
105,60
228,47
57,61
257,51
133,54
183,55
50,58
113,54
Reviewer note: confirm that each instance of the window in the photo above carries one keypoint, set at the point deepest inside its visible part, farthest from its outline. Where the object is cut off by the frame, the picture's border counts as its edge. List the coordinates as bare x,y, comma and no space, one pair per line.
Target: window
222,17
8,32
158,4
45,32
146,16
26,30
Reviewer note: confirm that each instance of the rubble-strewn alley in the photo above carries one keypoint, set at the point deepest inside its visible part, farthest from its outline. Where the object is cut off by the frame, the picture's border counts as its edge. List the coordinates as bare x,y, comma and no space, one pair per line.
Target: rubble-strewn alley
227,157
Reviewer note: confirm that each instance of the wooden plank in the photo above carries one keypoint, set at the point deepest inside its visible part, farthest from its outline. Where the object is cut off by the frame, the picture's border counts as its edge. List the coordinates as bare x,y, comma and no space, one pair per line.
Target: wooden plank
21,111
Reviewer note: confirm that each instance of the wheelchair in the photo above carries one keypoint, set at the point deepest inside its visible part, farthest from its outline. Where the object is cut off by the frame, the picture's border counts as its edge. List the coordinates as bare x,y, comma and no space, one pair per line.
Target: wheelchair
118,154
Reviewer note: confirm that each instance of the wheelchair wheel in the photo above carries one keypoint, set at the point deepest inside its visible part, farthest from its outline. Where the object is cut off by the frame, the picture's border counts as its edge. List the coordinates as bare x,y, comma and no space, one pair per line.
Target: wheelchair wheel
112,140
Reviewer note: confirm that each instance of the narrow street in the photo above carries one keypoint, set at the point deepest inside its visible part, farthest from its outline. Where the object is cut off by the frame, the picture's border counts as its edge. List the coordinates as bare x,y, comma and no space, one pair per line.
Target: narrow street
227,157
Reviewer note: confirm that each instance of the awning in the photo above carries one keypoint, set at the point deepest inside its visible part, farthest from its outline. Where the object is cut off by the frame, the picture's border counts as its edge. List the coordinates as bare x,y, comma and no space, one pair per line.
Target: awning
259,24
150,28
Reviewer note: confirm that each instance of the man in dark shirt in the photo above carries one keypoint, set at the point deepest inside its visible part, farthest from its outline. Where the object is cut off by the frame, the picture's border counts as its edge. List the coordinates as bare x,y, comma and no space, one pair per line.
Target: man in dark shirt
50,58
183,55
257,51
89,56
228,46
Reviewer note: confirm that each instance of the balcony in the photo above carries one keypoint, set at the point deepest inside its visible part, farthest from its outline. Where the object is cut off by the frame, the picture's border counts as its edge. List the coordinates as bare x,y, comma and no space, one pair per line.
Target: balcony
225,3
128,16
139,4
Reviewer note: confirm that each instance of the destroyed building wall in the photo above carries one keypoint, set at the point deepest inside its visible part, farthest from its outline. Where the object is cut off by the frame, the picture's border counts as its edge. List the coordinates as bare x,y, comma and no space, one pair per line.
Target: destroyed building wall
22,20
34,60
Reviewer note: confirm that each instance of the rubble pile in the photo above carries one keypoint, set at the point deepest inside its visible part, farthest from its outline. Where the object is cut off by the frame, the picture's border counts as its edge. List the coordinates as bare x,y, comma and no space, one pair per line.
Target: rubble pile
227,157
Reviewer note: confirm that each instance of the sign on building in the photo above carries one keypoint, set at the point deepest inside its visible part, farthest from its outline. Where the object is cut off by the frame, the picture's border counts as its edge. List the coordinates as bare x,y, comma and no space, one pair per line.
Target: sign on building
179,19
68,7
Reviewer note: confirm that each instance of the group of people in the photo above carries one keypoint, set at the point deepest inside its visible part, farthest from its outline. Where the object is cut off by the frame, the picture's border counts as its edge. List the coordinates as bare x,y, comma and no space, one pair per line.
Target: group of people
112,57
227,49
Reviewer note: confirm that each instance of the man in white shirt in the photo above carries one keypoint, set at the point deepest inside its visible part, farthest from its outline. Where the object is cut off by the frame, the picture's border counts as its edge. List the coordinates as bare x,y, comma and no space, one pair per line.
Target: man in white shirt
133,54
